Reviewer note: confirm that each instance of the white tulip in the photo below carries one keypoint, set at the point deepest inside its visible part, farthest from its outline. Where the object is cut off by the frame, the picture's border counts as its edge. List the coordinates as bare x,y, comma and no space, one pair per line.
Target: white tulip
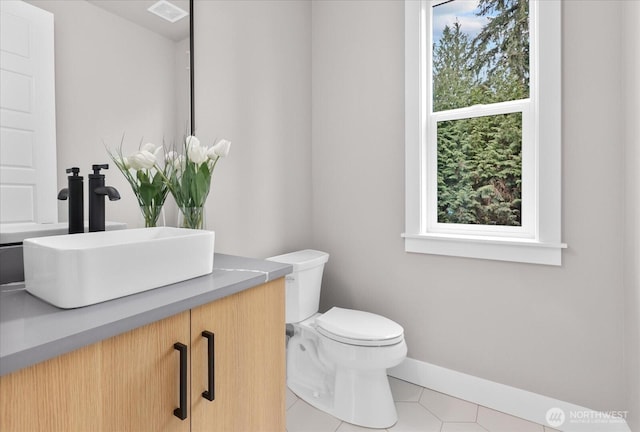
192,141
149,147
153,149
220,149
197,154
142,159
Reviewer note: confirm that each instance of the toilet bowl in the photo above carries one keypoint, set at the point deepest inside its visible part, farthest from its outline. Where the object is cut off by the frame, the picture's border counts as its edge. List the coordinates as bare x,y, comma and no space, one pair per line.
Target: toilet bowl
337,361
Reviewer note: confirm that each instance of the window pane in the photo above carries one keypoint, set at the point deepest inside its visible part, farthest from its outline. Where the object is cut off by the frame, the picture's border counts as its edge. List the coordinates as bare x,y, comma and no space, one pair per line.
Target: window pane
480,170
480,52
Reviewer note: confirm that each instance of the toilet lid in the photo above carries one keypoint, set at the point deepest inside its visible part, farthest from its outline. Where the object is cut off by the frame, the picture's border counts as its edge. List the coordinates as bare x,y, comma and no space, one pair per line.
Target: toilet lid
359,328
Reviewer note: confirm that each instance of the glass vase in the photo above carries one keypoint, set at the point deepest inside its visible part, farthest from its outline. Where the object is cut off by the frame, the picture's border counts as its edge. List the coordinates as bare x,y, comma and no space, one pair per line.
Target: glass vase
151,216
192,217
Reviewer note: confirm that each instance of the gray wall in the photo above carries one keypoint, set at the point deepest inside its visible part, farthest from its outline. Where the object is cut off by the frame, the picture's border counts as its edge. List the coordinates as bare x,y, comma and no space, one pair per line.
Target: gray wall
253,74
631,86
556,331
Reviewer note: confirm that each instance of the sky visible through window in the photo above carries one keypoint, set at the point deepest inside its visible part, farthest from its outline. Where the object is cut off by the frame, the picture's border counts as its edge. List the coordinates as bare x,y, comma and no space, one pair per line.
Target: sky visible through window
464,11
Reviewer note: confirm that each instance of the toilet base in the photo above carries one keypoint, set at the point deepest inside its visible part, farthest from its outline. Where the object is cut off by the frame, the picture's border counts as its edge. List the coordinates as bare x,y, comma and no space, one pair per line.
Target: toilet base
347,381
358,396
364,398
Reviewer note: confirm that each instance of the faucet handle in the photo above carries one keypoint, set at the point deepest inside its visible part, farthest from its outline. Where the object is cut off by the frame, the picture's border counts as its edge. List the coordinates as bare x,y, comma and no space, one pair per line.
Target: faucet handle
96,168
74,170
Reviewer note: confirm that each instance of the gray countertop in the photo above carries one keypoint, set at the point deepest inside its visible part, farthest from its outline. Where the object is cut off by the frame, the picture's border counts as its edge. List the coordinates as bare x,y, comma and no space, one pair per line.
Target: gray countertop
32,331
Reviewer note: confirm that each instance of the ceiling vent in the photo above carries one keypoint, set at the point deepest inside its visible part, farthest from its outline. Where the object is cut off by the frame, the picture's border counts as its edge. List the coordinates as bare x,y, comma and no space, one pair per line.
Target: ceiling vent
167,11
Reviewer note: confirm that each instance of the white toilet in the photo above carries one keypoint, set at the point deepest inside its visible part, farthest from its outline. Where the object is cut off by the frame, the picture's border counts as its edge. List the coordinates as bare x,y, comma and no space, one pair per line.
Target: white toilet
337,361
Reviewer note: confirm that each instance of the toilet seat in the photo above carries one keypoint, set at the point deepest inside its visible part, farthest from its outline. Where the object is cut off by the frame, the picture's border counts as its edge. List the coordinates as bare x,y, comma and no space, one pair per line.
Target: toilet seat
359,328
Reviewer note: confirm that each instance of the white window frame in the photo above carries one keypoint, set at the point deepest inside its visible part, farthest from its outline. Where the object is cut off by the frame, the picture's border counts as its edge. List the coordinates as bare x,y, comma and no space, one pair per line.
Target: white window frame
538,239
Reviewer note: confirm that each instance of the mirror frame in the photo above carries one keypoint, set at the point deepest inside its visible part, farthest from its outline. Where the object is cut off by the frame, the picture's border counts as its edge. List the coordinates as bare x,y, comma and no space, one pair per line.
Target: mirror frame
191,69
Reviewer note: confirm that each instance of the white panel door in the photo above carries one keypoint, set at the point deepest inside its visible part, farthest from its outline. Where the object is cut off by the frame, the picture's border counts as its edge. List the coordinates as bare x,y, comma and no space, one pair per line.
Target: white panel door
28,179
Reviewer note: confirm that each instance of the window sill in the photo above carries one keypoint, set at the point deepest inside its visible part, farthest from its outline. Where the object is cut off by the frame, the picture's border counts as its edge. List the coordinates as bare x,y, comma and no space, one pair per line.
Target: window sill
492,248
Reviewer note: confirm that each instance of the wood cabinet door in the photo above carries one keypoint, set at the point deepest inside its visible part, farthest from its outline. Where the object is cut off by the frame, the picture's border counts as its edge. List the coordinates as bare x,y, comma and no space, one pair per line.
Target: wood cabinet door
57,395
141,377
249,362
129,382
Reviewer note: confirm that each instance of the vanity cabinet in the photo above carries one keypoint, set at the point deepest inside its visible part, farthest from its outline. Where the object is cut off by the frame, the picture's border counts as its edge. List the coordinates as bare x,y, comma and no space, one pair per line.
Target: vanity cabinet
132,382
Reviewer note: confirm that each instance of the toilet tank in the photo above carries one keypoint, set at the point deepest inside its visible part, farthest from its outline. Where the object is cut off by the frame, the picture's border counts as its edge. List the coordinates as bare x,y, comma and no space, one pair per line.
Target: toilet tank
303,285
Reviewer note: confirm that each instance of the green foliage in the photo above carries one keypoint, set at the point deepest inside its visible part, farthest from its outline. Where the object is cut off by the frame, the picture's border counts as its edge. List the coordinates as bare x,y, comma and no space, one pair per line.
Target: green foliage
151,188
480,159
190,185
453,77
189,179
147,185
503,44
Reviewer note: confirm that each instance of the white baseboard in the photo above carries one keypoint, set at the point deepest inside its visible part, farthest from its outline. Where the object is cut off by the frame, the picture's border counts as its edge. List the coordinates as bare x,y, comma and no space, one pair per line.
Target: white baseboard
520,403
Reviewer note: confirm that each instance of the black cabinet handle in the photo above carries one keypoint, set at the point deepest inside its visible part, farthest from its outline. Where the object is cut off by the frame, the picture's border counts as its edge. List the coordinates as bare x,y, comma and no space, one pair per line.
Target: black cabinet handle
210,394
181,411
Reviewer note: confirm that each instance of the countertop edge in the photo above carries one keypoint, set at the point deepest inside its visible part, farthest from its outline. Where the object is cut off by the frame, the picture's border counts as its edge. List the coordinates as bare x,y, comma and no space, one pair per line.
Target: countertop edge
36,354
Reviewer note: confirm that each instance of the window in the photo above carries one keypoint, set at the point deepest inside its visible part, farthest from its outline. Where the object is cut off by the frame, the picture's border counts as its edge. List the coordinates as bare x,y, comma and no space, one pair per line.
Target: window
483,129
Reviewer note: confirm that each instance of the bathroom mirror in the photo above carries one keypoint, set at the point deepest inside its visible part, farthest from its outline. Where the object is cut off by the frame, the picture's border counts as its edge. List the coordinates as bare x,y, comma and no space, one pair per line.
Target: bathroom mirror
122,74
172,19
121,68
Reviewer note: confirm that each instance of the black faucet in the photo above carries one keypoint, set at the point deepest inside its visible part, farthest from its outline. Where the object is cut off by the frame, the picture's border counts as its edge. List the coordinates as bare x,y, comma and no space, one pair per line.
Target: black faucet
75,194
97,191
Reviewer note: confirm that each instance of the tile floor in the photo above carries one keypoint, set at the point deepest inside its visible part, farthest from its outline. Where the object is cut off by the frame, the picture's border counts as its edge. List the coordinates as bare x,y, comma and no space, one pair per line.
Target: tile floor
419,410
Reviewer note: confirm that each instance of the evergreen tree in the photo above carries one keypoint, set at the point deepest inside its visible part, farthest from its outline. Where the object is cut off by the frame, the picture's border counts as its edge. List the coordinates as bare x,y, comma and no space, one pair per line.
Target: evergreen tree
503,43
453,78
480,159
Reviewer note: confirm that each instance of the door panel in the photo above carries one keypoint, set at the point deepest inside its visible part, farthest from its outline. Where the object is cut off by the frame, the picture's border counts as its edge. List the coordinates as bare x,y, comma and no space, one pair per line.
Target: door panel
250,361
27,115
141,380
57,395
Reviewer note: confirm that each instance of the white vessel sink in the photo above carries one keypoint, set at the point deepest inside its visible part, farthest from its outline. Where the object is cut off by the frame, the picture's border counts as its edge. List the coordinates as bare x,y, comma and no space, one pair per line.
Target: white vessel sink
76,270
